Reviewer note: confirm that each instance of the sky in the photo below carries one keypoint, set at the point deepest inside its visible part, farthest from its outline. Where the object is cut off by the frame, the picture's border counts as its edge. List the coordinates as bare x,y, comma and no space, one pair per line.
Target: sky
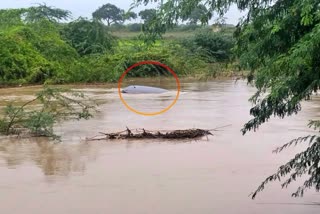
85,8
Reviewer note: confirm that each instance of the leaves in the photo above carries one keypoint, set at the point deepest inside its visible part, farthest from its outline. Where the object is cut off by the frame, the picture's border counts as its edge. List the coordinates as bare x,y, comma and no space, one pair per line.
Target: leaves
40,123
306,162
88,37
32,52
45,51
279,42
109,13
42,11
214,47
56,104
147,15
198,14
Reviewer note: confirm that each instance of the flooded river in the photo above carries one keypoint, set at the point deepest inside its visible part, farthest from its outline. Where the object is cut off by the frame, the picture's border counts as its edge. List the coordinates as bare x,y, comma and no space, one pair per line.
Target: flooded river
213,175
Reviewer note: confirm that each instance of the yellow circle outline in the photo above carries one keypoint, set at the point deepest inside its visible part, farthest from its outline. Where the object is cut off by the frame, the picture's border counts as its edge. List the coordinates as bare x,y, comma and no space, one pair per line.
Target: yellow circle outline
149,113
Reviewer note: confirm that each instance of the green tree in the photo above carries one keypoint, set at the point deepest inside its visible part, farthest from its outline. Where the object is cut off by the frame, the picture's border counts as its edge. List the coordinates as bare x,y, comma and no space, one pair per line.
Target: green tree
9,18
88,37
129,15
55,105
109,13
196,15
278,41
14,17
34,14
214,47
147,15
151,28
32,52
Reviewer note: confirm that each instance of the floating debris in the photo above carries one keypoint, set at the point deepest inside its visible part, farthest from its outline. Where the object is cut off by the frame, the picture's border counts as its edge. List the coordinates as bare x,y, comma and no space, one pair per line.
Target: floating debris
147,134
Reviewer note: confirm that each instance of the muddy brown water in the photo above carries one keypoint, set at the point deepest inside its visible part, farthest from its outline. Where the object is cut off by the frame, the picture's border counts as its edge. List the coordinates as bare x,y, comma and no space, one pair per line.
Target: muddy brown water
155,176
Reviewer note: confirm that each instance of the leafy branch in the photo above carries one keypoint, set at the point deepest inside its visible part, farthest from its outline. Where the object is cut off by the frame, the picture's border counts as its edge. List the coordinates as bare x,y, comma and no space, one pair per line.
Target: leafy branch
306,162
56,104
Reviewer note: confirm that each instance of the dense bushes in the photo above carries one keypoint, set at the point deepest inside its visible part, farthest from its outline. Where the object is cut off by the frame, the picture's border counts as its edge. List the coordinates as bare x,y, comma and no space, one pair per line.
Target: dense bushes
109,67
88,37
20,61
34,53
213,46
169,53
28,56
44,50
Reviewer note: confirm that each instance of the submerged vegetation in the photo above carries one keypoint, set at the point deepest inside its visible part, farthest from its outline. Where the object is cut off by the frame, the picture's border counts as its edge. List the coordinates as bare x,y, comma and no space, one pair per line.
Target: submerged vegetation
52,105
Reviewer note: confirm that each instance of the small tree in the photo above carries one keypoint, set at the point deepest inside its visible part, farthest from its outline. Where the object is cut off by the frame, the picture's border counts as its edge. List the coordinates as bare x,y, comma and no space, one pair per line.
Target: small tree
34,14
109,13
56,104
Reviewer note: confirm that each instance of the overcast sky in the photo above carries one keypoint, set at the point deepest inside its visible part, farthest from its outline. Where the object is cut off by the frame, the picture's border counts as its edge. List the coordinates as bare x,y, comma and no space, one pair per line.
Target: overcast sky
86,7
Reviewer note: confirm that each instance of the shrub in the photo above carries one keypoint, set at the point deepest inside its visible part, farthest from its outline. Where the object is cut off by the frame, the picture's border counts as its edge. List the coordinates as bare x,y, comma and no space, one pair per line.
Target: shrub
135,27
55,104
117,27
18,58
190,27
88,37
215,47
169,53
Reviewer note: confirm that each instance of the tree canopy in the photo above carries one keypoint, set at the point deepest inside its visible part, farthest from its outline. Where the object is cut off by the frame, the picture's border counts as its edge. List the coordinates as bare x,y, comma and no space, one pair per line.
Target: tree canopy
88,37
196,15
278,41
109,13
147,15
36,50
34,14
130,15
48,49
31,51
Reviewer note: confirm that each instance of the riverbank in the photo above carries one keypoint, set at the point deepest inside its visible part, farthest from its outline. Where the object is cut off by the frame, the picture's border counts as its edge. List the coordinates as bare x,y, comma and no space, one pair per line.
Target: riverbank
227,75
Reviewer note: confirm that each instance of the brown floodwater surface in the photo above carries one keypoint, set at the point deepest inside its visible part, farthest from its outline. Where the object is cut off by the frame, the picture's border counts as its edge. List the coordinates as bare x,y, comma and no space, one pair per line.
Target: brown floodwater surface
214,175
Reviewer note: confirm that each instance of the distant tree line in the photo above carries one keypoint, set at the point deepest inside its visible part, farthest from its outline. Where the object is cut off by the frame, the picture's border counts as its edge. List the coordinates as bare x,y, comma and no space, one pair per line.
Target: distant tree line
111,14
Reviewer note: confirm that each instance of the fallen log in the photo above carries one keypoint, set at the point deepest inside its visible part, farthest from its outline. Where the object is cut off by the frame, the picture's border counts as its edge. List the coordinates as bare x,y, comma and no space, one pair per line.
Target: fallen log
147,134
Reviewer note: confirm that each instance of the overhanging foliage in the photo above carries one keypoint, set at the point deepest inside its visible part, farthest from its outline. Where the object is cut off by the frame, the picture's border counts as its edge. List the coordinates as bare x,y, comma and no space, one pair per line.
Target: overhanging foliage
279,42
